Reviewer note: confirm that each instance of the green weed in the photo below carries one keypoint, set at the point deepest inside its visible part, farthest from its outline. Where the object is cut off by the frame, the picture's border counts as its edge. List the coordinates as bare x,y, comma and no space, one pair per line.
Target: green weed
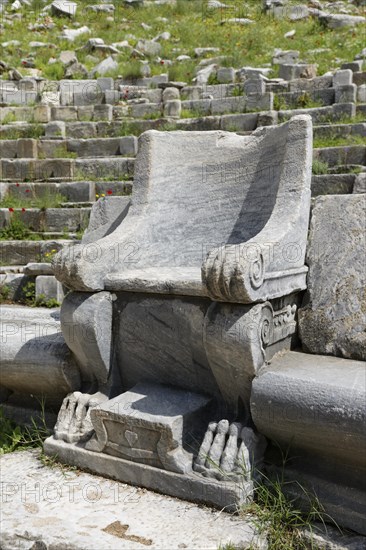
16,230
320,167
15,438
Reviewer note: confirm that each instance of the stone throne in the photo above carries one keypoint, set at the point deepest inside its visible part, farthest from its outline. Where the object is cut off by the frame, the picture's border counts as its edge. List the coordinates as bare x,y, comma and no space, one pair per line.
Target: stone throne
177,299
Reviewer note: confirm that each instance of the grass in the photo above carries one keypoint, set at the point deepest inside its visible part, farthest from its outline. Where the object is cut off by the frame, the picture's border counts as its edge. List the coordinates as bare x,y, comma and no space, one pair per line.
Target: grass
31,131
190,25
4,293
16,438
303,101
192,113
61,152
129,129
338,140
9,118
17,231
21,438
43,200
43,301
320,167
276,512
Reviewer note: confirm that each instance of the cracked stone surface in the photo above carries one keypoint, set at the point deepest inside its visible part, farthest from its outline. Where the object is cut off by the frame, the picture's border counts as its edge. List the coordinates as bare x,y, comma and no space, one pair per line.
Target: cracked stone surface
49,508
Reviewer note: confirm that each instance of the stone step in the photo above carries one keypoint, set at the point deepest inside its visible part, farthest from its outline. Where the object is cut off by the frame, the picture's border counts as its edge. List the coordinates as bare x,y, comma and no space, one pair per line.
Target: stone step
37,286
296,99
245,122
340,130
49,219
82,148
332,184
314,407
15,253
342,155
70,191
47,169
357,169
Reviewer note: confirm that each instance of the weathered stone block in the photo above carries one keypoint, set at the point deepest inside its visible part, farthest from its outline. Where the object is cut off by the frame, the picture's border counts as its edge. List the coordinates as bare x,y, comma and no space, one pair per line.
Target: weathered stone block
79,191
199,107
154,95
239,123
8,149
313,407
55,129
361,93
153,425
342,78
64,113
228,105
87,97
38,268
115,168
34,357
105,215
66,96
333,319
170,94
346,94
299,70
103,112
85,112
141,110
226,75
254,86
105,83
48,288
112,97
81,130
27,148
42,114
354,66
259,102
66,219
360,183
173,108
128,146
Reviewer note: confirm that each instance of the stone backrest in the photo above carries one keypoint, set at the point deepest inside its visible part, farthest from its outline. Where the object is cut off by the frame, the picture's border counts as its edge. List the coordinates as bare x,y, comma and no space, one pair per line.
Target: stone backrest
200,192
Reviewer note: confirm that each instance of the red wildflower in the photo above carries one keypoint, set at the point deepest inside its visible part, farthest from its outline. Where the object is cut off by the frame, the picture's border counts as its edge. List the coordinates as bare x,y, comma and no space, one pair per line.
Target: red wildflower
109,192
17,184
162,62
11,209
23,209
27,190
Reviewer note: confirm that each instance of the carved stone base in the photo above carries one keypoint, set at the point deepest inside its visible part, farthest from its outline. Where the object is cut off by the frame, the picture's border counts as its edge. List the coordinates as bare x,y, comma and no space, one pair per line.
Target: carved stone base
193,487
152,435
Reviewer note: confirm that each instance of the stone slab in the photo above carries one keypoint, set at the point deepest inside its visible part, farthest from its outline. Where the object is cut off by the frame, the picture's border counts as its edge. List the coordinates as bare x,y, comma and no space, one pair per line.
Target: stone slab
313,406
194,487
77,510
